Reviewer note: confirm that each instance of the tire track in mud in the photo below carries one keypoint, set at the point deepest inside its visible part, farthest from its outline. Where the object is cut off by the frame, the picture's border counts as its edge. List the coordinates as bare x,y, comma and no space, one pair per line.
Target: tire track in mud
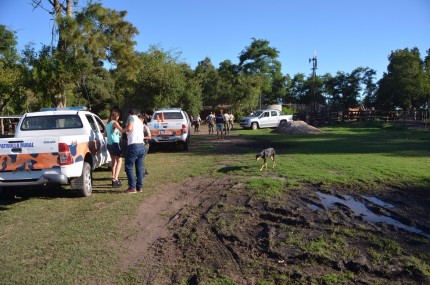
158,212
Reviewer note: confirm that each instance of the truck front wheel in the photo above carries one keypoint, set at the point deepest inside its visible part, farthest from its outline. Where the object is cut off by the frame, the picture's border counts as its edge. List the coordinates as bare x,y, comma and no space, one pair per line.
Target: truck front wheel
254,126
83,183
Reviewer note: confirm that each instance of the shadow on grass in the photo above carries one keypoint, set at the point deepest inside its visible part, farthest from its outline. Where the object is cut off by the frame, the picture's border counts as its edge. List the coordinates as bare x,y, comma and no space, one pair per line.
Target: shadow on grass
228,169
10,196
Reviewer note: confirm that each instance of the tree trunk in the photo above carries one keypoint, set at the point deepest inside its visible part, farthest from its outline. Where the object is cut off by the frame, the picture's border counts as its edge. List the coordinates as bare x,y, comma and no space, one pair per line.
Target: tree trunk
62,44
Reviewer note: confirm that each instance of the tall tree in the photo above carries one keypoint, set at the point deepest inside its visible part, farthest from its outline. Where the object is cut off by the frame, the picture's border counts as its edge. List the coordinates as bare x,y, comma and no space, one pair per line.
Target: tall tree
164,82
403,85
62,14
260,58
299,89
351,88
207,76
228,80
279,86
191,98
426,88
370,87
95,36
11,74
241,91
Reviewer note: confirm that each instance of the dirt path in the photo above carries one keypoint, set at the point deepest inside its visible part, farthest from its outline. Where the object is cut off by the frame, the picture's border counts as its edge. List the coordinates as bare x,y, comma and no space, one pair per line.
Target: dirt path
212,229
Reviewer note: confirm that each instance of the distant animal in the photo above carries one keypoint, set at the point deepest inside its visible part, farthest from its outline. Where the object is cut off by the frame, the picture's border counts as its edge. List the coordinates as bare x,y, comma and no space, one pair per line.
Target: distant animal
354,113
265,154
357,109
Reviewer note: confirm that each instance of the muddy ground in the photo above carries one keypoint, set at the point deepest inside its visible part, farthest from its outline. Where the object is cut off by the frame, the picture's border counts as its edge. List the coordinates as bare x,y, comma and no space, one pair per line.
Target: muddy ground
211,231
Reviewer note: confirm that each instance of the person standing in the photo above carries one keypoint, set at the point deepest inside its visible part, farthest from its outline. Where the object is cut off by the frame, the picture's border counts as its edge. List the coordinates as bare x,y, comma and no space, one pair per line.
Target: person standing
134,156
197,120
226,118
219,120
146,138
211,121
113,132
231,121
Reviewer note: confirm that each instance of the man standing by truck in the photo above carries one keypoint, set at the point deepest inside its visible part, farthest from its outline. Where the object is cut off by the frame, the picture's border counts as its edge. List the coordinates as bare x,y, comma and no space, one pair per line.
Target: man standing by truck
134,156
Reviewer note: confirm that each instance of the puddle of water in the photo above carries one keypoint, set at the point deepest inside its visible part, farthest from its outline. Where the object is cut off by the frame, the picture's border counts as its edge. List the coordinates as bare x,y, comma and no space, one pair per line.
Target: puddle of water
360,209
378,202
314,207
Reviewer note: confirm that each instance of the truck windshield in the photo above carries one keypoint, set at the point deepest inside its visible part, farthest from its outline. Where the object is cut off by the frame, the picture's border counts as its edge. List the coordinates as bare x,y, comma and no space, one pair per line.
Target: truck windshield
168,116
51,122
256,113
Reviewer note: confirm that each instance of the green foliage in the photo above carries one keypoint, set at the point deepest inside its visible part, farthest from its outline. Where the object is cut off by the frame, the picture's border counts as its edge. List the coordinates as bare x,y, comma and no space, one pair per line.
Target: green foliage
288,111
8,52
345,90
104,115
406,83
259,58
207,76
164,82
73,73
12,74
300,89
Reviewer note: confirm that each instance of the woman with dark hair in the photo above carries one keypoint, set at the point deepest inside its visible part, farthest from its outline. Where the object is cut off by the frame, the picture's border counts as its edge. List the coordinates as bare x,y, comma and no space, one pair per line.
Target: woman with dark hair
113,134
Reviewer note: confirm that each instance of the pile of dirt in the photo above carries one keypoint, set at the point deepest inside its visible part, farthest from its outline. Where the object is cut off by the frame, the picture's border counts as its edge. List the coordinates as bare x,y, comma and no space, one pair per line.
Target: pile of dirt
296,128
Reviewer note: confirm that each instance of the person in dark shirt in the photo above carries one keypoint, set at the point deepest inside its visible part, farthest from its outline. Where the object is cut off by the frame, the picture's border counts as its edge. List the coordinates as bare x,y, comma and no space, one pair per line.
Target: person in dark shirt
219,121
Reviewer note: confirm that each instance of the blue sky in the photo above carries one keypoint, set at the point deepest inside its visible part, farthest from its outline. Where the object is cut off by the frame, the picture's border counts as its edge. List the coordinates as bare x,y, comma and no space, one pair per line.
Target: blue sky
346,34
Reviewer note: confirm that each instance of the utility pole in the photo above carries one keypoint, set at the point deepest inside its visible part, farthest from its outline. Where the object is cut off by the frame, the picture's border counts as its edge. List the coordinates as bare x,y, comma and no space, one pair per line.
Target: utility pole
314,81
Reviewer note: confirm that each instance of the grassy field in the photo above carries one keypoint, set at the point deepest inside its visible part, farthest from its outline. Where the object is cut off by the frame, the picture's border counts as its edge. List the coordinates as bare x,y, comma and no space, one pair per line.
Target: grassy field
50,236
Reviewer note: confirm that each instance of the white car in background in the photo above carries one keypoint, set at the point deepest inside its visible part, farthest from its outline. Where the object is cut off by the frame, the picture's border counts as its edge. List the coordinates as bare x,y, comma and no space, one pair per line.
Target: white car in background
264,119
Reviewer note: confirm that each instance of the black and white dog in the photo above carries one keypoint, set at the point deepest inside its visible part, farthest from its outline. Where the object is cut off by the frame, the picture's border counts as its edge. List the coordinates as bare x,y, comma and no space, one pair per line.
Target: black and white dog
265,154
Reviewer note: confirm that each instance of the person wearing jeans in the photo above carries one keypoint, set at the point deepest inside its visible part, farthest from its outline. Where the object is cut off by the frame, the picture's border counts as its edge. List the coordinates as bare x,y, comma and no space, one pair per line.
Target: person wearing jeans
135,153
146,138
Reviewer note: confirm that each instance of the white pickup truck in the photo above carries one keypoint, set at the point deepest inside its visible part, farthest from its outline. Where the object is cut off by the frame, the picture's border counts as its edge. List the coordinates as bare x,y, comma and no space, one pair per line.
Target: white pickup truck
55,146
170,126
264,119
